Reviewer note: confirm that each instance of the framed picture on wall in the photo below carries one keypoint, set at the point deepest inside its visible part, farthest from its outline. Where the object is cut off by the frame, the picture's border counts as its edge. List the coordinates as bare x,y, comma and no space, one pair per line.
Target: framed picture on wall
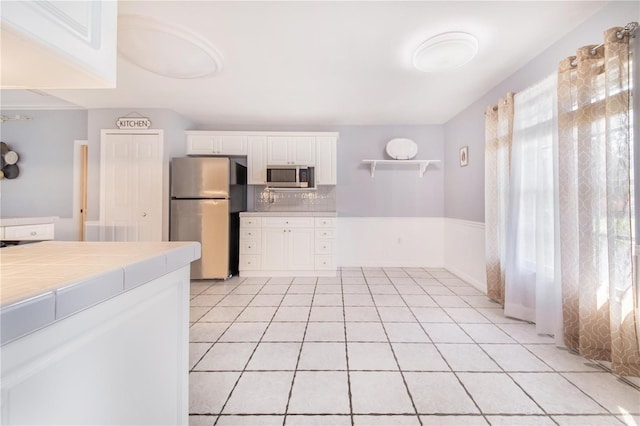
464,156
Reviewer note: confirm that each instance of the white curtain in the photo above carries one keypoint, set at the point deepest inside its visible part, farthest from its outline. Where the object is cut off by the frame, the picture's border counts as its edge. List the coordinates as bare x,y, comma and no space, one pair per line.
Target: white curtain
530,290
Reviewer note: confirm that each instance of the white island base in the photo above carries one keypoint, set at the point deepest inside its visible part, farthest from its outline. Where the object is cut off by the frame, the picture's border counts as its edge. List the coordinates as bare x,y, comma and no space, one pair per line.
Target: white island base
121,361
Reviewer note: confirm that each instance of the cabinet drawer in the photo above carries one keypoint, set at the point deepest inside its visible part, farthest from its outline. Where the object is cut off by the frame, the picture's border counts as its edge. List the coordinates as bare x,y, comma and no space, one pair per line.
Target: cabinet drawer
325,262
325,222
325,233
250,222
249,246
249,262
287,222
324,246
29,232
250,233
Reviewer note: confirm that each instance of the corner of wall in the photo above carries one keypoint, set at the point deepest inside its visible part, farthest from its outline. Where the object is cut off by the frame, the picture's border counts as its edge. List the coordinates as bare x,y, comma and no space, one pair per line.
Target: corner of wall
464,251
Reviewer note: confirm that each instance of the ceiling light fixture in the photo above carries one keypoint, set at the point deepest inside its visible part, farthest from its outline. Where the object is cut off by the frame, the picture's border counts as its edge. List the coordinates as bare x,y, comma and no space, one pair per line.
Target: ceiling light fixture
166,49
445,52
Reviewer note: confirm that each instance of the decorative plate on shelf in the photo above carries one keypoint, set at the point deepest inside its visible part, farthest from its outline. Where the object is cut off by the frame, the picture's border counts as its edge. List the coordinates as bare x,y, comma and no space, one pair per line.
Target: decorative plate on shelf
402,149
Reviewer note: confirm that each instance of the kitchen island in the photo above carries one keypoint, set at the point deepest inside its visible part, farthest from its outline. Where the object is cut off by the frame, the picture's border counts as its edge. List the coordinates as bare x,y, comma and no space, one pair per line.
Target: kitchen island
95,332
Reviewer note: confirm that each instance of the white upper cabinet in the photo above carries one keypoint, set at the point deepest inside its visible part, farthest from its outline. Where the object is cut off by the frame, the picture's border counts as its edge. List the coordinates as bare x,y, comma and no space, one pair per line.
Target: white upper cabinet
291,150
205,143
257,160
58,44
326,161
316,149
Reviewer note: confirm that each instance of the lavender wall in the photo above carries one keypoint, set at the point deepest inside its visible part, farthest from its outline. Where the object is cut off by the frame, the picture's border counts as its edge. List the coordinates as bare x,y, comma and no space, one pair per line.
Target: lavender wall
464,186
395,190
45,146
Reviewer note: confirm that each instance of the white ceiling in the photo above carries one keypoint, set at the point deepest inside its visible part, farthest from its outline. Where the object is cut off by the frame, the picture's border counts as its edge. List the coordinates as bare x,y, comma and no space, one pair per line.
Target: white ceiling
332,63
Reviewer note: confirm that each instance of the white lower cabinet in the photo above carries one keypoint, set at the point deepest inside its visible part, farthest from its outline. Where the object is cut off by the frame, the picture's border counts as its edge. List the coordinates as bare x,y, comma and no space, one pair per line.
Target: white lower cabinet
287,243
250,243
325,253
286,246
40,232
287,249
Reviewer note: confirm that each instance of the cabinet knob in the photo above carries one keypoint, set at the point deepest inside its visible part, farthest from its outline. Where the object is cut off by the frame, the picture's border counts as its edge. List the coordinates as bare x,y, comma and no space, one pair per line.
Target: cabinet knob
249,233
324,247
34,233
144,214
248,246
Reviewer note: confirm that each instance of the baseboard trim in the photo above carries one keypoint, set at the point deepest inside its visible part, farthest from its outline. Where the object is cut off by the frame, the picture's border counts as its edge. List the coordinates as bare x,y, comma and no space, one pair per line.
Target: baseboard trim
479,285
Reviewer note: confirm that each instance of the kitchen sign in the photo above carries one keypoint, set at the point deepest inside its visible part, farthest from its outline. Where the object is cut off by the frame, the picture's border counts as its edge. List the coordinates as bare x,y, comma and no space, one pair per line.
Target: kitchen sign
133,123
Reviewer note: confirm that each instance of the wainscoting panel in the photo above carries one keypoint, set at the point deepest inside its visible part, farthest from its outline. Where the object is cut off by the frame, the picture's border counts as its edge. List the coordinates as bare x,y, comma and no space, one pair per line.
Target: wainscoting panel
464,251
390,241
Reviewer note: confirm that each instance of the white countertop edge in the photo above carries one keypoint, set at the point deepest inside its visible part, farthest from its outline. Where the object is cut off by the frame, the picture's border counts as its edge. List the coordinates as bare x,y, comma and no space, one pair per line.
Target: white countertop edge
289,214
20,221
16,317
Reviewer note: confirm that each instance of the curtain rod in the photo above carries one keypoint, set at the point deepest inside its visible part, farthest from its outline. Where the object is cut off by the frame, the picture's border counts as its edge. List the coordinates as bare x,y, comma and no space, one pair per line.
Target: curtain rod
627,30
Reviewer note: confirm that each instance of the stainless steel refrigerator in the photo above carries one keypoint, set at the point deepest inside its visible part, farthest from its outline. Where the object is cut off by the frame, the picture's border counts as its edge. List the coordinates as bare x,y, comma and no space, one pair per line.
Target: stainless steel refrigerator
207,194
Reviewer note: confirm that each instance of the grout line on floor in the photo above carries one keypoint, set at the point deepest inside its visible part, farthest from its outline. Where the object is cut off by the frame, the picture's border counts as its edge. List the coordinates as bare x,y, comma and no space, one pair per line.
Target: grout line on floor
252,353
395,358
304,335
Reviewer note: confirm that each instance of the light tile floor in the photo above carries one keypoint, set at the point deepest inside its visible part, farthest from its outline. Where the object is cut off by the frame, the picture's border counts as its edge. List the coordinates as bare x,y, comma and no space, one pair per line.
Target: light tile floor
384,346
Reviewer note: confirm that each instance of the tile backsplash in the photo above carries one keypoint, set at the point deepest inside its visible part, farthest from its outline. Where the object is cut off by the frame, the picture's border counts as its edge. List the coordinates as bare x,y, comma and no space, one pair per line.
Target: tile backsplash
321,199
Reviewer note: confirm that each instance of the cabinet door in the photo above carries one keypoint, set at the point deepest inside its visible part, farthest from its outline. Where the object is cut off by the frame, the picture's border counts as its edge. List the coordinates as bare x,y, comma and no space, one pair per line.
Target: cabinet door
200,145
231,145
301,248
257,160
291,150
278,150
302,150
326,173
274,248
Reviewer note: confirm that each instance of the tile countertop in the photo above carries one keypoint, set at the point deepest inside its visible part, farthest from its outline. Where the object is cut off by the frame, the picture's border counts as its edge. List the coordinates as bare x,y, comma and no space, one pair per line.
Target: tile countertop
18,221
289,214
43,282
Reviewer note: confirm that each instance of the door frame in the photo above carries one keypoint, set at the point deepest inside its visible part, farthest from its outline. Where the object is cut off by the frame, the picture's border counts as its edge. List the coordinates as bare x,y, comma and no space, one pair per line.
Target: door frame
80,181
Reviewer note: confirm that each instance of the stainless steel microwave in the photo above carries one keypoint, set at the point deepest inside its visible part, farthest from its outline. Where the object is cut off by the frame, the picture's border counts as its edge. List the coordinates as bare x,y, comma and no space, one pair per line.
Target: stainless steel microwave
292,176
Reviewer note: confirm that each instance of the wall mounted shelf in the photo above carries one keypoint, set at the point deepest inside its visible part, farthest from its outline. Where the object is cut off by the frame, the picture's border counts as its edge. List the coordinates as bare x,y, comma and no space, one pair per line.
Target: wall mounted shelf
422,164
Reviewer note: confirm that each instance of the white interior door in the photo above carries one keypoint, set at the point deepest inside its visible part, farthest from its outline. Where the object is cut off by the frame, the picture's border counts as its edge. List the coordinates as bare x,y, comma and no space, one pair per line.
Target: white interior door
131,186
